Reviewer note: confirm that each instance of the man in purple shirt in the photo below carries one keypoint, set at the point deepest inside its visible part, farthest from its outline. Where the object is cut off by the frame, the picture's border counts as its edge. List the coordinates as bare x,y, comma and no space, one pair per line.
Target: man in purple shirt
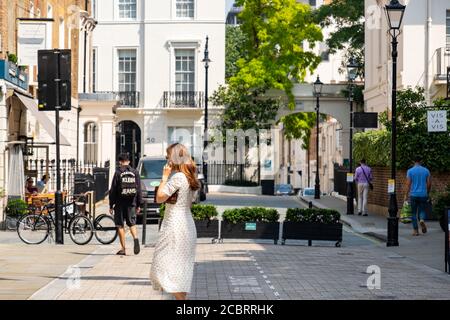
363,178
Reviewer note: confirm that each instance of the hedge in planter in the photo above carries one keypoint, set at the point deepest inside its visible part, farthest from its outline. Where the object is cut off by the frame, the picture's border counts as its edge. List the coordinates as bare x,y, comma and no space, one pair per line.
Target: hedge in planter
205,218
250,223
312,224
14,210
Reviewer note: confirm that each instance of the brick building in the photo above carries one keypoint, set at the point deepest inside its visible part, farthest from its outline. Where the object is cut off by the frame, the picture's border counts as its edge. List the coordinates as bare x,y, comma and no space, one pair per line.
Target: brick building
21,124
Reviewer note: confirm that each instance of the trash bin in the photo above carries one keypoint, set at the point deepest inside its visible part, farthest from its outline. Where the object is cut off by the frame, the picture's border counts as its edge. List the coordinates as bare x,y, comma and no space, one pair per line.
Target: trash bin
83,183
101,181
268,187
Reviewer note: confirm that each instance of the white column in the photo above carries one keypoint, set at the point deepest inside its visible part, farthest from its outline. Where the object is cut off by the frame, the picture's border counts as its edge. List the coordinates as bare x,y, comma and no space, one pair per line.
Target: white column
3,144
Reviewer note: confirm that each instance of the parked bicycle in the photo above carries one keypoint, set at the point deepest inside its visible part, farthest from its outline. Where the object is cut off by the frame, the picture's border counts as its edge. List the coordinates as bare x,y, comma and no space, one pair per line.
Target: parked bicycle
36,227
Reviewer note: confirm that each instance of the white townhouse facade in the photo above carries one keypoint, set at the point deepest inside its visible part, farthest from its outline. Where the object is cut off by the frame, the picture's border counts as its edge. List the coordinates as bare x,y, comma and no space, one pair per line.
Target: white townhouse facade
424,51
148,87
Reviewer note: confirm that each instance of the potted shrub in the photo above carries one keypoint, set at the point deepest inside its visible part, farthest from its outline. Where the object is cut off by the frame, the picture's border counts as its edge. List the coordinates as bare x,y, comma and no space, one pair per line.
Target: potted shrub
312,224
250,223
14,210
205,218
440,202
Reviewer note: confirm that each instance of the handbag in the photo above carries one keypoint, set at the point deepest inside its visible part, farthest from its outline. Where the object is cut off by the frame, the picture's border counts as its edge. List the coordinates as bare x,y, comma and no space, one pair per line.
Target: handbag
171,200
370,183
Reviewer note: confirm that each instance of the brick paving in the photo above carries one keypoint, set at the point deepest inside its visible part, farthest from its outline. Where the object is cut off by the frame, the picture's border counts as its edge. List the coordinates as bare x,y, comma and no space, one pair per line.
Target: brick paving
249,271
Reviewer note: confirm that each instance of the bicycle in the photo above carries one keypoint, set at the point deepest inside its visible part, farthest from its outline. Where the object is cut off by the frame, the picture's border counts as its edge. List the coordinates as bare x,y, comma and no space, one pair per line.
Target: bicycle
105,229
35,228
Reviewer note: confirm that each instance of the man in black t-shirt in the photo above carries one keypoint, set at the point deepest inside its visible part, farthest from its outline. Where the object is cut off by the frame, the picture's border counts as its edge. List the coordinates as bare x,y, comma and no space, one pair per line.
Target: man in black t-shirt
125,199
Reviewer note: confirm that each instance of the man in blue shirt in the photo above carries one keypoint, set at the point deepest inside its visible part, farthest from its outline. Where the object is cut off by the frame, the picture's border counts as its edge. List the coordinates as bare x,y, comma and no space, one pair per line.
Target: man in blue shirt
418,185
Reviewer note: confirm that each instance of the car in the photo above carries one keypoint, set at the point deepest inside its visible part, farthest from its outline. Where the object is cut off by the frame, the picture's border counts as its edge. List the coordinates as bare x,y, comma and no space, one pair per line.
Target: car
308,192
150,171
284,190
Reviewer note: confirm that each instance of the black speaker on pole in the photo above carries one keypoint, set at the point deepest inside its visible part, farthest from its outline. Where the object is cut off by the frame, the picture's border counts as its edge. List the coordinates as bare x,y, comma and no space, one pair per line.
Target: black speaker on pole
49,61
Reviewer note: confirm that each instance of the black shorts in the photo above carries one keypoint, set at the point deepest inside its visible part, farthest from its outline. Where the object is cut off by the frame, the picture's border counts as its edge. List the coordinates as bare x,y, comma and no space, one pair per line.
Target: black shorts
125,214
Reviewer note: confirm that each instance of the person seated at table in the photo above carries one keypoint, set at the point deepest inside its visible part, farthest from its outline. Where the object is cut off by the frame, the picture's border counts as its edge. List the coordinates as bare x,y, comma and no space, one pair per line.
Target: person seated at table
30,188
42,184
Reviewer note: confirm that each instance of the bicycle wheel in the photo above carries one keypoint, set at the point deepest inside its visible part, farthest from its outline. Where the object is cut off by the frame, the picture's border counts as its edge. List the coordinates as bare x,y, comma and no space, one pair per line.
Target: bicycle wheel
81,230
33,229
105,229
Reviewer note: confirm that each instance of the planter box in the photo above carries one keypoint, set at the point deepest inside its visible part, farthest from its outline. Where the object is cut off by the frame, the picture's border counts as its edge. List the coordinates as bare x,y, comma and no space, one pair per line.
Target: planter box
312,231
264,230
207,228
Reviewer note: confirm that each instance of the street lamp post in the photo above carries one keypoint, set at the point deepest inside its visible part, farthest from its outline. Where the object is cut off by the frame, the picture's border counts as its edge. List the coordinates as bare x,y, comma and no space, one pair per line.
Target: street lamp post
352,71
394,13
206,61
317,92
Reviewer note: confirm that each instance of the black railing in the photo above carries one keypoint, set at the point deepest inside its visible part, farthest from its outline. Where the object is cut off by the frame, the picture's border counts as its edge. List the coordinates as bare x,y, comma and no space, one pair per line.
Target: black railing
233,173
72,175
126,99
183,99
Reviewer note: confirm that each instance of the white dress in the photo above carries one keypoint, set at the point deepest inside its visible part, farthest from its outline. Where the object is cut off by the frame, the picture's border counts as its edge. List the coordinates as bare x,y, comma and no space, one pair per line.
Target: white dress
173,260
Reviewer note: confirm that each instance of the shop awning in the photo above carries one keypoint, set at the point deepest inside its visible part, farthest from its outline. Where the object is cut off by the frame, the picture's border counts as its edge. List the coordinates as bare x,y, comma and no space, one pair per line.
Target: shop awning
42,118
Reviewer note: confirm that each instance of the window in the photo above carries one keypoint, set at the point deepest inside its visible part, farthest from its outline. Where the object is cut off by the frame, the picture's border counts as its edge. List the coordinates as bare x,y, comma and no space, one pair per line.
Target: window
94,8
94,67
184,70
127,9
448,28
31,10
61,34
324,52
127,70
185,8
312,3
184,135
90,142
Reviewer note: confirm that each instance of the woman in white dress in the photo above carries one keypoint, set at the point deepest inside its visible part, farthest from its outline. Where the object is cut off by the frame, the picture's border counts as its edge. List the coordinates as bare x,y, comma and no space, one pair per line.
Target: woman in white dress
173,261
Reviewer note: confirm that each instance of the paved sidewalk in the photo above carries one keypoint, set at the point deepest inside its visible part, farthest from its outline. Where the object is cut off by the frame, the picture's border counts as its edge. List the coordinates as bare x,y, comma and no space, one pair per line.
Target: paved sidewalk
249,271
426,249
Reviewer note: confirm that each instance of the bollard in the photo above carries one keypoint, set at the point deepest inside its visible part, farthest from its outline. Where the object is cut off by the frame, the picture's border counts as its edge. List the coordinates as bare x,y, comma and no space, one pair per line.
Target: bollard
144,224
310,205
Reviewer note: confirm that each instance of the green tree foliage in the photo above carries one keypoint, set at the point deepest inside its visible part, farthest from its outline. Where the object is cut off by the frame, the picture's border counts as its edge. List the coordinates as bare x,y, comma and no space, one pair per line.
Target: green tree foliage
234,50
275,31
347,16
413,137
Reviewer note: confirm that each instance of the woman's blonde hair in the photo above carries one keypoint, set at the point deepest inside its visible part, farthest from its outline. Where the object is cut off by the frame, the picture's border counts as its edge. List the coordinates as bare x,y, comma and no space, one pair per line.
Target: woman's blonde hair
180,160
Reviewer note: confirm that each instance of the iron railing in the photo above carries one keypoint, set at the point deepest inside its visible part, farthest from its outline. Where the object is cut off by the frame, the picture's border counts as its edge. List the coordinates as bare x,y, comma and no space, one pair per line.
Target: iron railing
233,173
126,99
183,99
71,173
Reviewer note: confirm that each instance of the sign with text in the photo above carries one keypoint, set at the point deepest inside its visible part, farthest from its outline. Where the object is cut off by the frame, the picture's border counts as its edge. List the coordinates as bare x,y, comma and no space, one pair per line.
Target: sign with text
350,177
250,226
365,120
437,121
32,37
391,186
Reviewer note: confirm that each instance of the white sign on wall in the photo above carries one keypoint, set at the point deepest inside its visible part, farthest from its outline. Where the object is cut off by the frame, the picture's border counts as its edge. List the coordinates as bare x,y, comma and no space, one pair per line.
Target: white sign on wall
437,121
32,36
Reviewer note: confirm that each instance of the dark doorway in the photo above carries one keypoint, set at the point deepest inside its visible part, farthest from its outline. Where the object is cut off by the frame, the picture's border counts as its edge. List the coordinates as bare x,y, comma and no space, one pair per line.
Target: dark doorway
128,140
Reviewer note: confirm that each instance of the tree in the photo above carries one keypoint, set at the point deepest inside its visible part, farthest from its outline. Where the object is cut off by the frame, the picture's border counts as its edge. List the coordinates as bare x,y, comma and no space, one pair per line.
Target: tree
347,17
234,50
413,137
275,58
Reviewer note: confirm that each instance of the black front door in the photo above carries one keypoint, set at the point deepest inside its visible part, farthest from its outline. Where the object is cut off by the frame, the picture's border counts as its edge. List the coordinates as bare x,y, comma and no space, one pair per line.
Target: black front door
128,140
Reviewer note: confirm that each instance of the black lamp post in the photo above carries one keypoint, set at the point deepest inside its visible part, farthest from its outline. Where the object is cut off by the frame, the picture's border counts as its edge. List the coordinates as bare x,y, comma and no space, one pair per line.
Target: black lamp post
317,92
394,13
352,72
206,61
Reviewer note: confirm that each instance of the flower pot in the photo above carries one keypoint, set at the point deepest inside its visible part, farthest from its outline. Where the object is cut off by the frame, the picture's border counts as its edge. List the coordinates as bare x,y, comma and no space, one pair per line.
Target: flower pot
207,228
251,230
312,231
